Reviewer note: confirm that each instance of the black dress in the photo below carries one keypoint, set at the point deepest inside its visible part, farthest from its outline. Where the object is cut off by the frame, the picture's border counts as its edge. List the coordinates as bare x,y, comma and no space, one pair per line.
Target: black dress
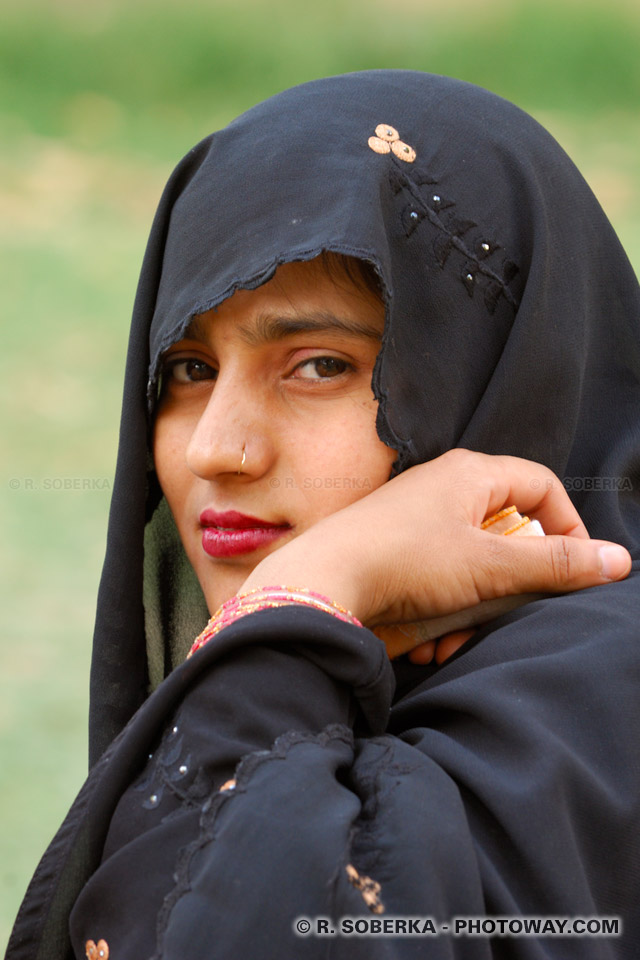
289,772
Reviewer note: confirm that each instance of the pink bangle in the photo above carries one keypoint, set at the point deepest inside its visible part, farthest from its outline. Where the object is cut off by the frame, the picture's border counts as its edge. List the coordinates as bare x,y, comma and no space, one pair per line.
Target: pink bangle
266,598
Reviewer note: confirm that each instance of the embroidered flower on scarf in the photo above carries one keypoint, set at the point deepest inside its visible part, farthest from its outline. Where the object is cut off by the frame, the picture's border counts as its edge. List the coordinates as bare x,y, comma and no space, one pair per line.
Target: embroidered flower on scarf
387,140
370,889
97,951
424,201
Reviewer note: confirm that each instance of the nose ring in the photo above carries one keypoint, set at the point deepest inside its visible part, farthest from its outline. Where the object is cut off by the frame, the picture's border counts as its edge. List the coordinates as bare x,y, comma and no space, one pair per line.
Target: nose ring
242,462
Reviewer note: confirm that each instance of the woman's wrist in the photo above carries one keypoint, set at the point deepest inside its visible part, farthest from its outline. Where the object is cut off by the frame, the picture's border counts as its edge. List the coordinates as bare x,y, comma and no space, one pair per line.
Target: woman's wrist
269,598
300,563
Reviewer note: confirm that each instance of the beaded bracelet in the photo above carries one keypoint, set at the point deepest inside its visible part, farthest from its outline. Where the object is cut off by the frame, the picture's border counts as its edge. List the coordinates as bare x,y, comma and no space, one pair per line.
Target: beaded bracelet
267,598
509,522
506,512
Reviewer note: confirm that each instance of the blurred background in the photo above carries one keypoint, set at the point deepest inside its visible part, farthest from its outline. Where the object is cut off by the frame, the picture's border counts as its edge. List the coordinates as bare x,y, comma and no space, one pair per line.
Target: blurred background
98,100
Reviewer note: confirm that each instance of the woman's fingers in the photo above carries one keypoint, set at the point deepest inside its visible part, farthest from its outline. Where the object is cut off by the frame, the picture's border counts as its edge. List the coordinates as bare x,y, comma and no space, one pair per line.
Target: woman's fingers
532,487
614,561
553,564
448,645
440,649
541,495
424,653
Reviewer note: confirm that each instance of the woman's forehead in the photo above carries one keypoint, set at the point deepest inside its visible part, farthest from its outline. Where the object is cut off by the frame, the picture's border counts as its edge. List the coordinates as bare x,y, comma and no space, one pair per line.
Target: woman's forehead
321,295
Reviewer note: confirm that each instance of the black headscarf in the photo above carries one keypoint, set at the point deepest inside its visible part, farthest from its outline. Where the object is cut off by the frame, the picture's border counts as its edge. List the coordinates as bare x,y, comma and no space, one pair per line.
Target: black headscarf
512,311
512,326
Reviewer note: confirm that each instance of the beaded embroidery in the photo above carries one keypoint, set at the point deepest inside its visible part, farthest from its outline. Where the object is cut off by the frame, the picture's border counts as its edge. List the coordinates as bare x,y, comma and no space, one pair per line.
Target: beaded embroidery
96,951
477,273
370,889
170,771
387,140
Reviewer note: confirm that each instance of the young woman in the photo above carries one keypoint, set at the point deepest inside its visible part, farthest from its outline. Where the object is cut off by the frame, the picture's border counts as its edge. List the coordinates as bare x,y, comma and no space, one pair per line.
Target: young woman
374,311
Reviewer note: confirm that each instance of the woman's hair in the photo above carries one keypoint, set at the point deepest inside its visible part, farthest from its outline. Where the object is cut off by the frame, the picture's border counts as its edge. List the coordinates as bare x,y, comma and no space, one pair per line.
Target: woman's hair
362,274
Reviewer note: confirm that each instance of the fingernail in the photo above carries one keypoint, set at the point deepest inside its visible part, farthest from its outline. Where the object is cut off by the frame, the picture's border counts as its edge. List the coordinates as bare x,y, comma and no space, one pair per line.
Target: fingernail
614,562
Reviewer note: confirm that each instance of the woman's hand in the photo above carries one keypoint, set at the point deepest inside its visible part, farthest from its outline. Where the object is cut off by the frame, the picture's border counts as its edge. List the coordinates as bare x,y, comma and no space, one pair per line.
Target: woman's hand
413,548
440,649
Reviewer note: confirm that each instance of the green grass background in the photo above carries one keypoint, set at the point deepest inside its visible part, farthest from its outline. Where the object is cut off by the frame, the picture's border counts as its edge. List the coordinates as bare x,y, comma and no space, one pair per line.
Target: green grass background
98,100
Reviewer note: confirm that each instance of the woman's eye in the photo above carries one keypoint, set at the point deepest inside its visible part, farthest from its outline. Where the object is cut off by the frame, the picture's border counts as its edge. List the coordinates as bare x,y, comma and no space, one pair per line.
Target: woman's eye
190,371
321,368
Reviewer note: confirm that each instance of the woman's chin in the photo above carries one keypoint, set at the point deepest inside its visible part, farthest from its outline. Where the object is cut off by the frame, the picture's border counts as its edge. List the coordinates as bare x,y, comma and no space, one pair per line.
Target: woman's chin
221,581
222,577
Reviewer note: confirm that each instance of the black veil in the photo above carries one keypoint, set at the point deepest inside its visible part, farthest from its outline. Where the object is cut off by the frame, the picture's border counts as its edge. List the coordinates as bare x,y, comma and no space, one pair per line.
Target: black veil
512,311
512,326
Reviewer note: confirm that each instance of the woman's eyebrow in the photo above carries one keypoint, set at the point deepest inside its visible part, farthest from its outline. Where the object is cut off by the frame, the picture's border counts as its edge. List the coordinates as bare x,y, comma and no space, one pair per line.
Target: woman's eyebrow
268,327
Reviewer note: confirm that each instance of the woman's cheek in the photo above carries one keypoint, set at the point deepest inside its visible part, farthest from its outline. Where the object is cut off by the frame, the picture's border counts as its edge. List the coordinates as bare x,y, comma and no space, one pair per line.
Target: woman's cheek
170,439
343,473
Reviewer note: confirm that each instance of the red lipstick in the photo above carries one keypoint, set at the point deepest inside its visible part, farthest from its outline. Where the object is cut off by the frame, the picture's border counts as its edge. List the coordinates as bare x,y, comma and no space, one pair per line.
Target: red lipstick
231,534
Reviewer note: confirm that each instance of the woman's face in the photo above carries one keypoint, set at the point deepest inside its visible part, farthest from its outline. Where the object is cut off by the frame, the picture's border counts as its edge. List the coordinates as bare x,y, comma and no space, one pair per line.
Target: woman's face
266,422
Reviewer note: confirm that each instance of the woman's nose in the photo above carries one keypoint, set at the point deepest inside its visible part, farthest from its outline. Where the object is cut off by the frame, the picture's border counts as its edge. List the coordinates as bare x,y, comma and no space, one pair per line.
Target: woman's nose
232,434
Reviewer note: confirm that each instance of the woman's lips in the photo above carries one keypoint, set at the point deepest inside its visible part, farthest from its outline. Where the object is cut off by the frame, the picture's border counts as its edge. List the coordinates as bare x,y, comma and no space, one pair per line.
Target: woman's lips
231,534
